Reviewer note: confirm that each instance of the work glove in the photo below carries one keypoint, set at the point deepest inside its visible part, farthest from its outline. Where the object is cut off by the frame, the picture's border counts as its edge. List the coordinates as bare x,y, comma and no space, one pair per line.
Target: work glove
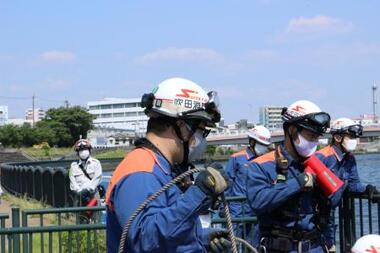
85,196
219,242
306,180
212,181
371,190
332,249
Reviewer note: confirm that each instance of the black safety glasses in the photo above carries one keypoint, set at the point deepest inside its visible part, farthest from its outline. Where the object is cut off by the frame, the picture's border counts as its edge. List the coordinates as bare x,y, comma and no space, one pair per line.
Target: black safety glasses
194,126
205,131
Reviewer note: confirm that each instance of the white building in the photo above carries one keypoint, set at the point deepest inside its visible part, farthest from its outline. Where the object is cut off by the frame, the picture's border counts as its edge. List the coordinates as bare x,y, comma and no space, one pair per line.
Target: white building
39,114
367,120
270,116
120,113
3,115
101,137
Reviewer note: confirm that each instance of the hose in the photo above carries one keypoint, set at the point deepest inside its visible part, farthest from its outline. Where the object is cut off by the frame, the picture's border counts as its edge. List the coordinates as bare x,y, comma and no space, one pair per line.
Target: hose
163,189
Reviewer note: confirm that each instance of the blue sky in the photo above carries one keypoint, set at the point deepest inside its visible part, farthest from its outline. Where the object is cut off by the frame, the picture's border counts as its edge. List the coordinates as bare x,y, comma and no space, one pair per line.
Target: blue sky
253,52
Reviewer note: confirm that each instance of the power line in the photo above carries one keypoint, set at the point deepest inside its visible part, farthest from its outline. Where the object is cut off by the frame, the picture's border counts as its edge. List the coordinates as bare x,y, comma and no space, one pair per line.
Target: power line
6,97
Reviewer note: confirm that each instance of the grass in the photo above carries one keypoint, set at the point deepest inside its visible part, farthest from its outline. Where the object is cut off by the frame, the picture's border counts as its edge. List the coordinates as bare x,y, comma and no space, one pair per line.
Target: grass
25,203
117,153
40,153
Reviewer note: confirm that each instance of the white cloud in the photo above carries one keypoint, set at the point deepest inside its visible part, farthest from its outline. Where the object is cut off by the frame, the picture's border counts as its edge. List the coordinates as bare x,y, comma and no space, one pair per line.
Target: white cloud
58,56
318,24
181,54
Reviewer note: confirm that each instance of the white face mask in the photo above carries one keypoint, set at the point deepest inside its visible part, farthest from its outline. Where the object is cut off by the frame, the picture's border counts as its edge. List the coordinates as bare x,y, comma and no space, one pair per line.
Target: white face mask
305,148
84,154
260,149
349,144
197,147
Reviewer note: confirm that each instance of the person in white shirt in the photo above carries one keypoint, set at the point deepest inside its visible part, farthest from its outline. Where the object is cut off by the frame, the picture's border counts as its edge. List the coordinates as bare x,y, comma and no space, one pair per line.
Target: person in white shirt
85,174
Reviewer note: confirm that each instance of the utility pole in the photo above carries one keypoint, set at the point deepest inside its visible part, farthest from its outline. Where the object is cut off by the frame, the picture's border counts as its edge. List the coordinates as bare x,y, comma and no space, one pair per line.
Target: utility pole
33,97
374,100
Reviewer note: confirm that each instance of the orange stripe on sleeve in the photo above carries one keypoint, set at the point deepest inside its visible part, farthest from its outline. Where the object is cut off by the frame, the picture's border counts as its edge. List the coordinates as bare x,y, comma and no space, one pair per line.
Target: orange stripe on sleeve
139,160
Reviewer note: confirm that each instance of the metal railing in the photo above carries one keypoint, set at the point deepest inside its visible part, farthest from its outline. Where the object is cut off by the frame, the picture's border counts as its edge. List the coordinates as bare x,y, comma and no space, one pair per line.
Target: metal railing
45,181
358,215
64,235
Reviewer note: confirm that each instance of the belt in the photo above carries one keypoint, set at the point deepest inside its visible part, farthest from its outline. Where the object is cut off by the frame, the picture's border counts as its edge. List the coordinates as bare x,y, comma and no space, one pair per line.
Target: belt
272,244
292,234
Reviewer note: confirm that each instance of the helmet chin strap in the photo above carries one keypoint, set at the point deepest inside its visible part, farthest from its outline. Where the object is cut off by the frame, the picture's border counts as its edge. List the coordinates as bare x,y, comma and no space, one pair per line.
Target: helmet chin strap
299,157
185,144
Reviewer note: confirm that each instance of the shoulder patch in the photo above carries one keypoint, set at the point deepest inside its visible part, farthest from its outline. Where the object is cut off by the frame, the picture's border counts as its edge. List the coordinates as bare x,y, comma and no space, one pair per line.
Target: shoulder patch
264,158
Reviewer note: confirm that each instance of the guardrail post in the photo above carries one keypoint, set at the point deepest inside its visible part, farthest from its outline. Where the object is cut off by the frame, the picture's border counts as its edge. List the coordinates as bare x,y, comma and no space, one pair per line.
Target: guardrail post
16,223
25,239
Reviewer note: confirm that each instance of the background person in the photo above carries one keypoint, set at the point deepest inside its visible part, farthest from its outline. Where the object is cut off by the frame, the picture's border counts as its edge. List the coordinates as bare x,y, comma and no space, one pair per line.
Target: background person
339,157
85,174
236,169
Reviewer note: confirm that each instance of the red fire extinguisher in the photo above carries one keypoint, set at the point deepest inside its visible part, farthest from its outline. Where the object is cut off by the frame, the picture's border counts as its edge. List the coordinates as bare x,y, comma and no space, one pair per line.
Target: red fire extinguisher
327,180
92,202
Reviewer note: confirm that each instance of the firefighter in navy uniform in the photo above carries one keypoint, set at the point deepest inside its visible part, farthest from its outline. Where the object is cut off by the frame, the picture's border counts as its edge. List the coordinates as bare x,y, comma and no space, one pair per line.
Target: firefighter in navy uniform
237,168
179,112
339,157
285,197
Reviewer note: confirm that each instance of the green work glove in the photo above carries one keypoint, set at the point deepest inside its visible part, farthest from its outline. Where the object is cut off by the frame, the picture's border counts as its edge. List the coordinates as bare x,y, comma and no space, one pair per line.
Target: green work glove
219,242
212,181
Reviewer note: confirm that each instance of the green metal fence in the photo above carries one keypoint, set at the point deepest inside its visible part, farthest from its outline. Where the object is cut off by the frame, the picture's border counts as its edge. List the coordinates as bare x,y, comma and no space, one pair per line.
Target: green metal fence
45,181
65,234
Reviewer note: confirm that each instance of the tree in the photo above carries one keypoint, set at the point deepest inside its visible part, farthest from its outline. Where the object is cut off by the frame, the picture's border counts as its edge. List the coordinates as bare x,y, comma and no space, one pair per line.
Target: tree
10,135
76,119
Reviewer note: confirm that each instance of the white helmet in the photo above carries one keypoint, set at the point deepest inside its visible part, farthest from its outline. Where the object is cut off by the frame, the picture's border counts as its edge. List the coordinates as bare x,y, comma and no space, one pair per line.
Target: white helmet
307,115
367,243
346,125
184,99
261,134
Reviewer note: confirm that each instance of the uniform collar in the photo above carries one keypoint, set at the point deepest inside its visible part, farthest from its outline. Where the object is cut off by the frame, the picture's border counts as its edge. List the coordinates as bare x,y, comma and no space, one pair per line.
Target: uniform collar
87,161
162,162
339,154
250,155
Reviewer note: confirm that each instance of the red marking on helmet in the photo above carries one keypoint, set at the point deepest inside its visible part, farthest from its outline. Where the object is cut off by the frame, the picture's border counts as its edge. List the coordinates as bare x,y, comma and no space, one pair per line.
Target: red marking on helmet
263,138
185,93
298,108
372,249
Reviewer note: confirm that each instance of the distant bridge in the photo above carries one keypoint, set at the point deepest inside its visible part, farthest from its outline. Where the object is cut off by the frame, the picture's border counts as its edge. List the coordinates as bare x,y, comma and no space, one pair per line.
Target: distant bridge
240,137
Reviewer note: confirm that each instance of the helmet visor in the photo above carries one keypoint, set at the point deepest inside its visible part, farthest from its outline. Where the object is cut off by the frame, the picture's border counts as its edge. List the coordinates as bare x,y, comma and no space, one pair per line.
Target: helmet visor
315,122
212,106
355,130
